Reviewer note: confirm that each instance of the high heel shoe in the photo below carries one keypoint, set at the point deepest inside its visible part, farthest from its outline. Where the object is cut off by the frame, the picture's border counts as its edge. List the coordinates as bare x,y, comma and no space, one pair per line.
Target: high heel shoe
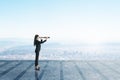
37,68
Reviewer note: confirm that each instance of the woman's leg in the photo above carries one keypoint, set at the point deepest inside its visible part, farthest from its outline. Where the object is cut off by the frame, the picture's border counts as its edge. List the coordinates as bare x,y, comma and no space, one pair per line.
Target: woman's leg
36,58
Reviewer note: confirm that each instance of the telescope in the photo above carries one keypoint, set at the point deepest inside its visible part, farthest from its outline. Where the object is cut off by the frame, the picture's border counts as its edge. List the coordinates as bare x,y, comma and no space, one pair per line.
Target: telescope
44,37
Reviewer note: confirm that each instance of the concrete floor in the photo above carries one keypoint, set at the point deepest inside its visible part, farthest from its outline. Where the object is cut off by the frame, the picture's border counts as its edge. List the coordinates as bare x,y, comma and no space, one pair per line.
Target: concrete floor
60,70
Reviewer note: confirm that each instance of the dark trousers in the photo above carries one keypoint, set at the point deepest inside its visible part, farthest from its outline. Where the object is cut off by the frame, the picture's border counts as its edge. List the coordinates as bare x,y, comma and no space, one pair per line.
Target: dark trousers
36,58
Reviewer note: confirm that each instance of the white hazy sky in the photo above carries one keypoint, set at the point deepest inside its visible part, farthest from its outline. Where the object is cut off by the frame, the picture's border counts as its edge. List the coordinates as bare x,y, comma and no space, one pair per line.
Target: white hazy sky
72,21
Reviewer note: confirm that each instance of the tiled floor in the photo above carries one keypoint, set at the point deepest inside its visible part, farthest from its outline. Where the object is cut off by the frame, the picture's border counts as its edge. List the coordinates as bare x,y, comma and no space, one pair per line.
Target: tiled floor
60,70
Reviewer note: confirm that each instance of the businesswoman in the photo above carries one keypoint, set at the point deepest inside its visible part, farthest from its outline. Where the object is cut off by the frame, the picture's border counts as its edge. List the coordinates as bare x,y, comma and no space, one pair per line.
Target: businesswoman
37,43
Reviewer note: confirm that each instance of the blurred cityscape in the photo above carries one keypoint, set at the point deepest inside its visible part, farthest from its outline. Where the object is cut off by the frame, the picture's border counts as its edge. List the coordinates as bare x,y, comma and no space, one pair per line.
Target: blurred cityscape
18,50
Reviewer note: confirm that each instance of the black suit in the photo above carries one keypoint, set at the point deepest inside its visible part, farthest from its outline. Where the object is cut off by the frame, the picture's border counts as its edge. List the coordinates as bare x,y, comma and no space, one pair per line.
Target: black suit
37,50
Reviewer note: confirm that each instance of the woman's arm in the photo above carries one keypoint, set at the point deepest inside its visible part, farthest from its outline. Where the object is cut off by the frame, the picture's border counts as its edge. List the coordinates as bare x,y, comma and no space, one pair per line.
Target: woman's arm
42,41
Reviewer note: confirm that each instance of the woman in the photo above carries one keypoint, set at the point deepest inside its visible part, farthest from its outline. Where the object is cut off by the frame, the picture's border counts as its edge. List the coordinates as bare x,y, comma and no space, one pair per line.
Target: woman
37,42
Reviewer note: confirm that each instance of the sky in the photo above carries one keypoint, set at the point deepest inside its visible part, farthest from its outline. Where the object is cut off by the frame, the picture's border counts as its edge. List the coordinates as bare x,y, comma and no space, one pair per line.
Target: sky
65,21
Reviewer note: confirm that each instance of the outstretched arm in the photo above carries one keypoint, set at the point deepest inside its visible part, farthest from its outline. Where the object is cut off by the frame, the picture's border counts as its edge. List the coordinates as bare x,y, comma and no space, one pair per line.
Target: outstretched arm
42,41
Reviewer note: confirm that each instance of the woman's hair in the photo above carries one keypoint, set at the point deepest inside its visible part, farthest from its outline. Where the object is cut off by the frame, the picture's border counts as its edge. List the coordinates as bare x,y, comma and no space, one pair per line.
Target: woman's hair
35,39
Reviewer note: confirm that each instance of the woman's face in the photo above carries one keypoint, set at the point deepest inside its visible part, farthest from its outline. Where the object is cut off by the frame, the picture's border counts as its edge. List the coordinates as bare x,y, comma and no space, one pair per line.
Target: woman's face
38,38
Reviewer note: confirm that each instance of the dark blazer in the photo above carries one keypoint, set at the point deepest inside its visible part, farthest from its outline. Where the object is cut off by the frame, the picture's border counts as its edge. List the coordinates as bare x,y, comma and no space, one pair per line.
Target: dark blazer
38,45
